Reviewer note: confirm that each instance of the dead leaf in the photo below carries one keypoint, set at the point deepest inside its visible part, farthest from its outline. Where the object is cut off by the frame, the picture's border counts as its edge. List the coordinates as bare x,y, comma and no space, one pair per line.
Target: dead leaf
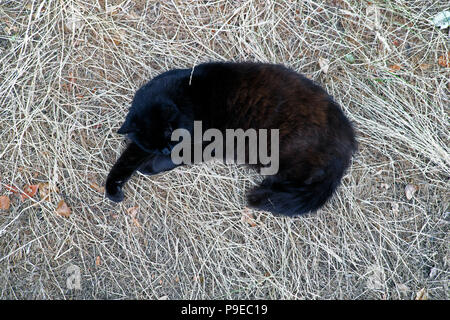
395,67
410,189
422,294
97,188
324,64
98,261
132,212
63,209
116,41
29,191
45,191
444,60
4,203
248,217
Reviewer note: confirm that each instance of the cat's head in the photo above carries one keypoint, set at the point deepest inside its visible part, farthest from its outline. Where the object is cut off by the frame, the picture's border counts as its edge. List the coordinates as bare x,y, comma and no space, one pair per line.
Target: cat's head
151,126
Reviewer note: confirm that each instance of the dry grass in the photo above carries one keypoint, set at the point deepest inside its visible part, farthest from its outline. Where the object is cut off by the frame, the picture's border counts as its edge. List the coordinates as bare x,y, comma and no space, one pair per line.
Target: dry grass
64,91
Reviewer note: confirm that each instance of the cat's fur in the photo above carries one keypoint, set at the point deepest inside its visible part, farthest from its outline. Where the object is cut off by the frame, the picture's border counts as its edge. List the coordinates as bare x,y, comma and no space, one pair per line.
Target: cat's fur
316,140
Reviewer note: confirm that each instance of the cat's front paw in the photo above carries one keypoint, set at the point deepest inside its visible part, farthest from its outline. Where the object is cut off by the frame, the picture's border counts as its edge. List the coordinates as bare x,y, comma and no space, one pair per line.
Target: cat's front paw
113,192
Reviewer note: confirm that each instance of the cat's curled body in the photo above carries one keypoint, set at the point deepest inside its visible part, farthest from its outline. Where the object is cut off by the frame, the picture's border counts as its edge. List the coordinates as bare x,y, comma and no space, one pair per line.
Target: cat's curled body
316,140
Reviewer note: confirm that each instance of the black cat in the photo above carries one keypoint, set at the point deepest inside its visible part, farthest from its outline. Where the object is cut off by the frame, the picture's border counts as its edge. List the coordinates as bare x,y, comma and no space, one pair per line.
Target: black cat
316,140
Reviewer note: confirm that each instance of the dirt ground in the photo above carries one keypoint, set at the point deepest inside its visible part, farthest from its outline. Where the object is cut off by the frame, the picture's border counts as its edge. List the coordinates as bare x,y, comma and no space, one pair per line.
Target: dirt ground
68,71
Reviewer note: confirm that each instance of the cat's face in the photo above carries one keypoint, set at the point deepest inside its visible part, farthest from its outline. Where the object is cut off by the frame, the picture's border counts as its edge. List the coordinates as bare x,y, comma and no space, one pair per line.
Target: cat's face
151,127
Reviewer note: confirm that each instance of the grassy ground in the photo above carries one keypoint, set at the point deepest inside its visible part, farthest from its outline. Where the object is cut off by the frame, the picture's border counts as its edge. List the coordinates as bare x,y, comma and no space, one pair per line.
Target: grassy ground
68,70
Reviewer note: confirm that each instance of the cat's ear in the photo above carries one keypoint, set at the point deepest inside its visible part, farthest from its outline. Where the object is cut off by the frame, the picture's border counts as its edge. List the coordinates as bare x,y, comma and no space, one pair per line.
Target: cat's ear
127,127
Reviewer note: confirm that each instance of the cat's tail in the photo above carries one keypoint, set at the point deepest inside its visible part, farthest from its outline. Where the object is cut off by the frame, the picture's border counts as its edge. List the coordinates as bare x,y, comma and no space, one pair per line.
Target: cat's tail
290,197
